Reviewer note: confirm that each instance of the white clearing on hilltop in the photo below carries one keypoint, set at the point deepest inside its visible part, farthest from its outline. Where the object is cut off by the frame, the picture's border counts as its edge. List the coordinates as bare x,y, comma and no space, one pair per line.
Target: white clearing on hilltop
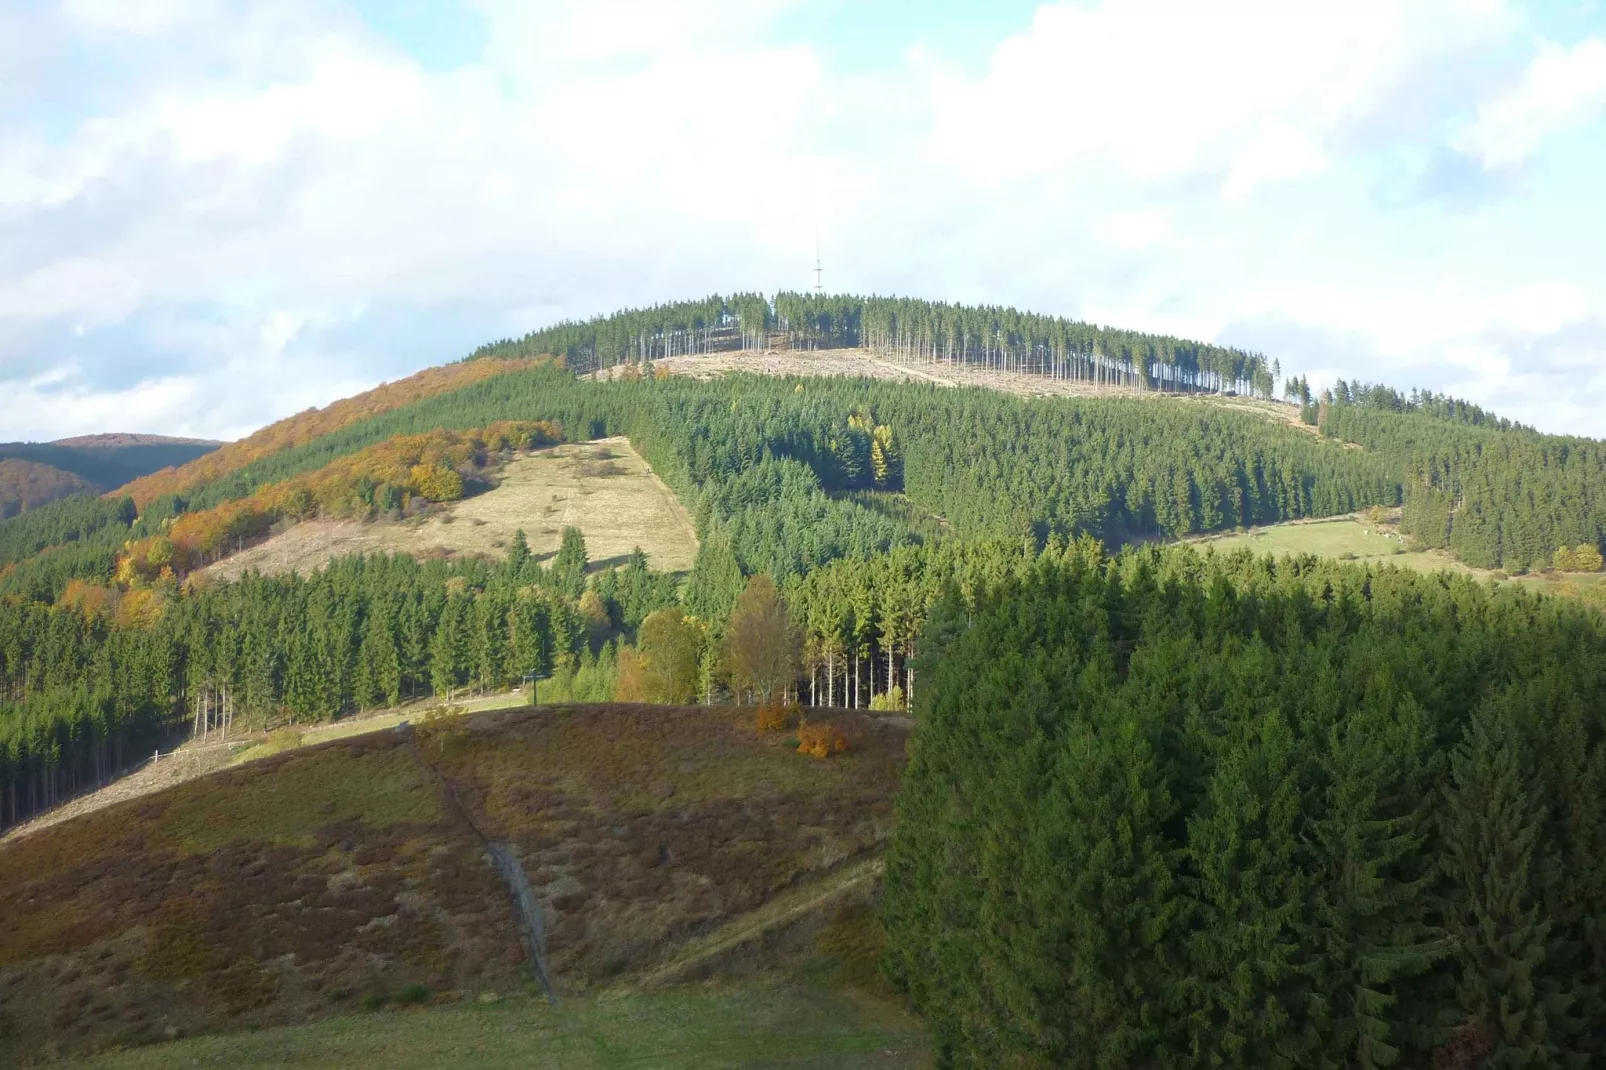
878,364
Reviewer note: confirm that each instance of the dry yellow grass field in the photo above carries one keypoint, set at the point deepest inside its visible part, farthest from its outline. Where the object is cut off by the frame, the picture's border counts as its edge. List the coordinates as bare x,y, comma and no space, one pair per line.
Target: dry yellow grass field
604,488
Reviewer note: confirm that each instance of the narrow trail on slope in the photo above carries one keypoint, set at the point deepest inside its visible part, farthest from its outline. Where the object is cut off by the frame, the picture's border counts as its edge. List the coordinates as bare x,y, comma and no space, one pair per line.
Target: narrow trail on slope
784,909
532,922
151,775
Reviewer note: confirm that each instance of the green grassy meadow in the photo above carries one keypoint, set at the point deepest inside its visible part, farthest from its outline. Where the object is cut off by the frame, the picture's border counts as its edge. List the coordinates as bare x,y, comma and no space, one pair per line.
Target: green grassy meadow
781,1025
1352,538
1342,537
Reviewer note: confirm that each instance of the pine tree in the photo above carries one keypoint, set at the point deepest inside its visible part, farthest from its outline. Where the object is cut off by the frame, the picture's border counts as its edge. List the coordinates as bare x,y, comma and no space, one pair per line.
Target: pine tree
1373,897
716,579
1493,856
1246,990
518,552
568,569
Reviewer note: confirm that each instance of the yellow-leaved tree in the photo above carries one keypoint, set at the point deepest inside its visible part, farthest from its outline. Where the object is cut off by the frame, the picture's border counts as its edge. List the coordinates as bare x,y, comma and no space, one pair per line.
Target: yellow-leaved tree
761,644
1587,558
436,482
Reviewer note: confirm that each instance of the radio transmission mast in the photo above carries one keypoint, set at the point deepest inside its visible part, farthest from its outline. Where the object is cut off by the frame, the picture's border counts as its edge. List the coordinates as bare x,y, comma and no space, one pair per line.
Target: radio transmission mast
817,287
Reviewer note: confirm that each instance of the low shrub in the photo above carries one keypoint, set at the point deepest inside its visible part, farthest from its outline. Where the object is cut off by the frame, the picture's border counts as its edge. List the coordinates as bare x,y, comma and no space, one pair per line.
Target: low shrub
891,699
776,716
281,740
411,995
821,739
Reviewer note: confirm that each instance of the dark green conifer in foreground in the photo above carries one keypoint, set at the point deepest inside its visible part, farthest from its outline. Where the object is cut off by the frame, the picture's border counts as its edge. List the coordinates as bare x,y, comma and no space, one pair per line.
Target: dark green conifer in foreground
1170,810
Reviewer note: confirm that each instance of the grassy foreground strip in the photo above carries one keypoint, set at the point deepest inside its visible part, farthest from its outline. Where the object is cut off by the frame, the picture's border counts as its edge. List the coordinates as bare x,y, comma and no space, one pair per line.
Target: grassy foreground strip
759,1026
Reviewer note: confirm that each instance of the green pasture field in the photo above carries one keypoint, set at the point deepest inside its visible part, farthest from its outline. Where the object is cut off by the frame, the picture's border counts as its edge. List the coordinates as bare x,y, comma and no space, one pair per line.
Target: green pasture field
1343,537
1354,538
755,1026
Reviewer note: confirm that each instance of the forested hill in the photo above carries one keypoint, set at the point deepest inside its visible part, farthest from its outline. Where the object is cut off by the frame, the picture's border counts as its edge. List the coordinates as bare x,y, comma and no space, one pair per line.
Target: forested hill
1003,339
770,460
1493,493
1346,814
1237,813
307,426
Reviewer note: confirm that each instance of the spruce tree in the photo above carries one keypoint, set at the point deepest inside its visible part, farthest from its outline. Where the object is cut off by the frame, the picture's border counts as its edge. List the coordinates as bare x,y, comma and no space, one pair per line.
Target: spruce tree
518,552
568,569
1374,907
1492,822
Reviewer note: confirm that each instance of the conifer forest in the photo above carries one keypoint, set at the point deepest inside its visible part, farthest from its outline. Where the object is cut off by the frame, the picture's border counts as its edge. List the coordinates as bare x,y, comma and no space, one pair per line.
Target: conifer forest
1164,807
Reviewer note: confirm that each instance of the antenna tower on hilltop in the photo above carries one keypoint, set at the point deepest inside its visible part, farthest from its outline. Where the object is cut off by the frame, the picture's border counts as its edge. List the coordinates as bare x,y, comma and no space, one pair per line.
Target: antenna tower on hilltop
817,287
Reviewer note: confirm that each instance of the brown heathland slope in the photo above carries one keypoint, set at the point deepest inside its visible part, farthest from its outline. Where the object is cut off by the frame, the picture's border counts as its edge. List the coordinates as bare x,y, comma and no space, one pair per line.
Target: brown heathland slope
306,426
29,484
604,488
294,887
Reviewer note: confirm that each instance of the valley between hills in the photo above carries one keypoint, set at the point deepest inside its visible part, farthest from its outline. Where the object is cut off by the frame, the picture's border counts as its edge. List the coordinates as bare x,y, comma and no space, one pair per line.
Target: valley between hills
814,680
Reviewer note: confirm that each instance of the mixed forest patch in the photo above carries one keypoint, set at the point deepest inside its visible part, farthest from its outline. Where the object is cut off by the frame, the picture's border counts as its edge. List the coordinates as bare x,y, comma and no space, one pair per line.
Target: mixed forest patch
314,423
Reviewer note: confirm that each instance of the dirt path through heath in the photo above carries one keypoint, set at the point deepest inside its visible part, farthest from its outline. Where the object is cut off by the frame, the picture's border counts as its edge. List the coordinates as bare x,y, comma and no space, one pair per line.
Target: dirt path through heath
186,763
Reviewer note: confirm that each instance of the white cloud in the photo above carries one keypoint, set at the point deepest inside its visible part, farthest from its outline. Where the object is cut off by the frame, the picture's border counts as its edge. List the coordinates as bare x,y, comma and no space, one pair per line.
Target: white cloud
1279,152
295,199
139,17
1542,307
1561,86
1132,230
1159,89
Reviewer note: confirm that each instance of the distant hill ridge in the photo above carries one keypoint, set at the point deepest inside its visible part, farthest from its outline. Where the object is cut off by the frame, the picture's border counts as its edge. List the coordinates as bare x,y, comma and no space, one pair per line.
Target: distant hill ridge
119,439
37,473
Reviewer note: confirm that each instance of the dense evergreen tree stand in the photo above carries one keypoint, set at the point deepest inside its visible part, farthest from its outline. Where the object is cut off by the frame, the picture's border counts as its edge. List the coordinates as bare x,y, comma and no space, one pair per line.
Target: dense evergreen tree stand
1172,810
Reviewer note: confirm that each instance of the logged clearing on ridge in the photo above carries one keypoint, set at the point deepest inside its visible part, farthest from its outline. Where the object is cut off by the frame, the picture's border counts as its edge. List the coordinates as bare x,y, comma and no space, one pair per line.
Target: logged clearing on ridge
604,488
886,365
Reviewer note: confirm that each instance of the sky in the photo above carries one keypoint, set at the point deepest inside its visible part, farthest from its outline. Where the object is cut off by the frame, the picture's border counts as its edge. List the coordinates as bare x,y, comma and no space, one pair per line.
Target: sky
214,214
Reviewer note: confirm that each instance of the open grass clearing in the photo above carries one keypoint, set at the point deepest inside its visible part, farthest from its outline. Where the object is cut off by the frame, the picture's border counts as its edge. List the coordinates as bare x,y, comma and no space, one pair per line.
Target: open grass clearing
379,721
1353,537
1348,537
754,1026
604,488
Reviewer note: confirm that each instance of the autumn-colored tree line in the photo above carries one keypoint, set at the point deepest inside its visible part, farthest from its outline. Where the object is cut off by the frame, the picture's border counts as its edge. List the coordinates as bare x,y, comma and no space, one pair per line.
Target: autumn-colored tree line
382,479
312,424
774,469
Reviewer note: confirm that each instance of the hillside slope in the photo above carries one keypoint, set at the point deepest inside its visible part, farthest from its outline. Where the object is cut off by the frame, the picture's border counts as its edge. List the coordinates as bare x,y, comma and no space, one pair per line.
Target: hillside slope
603,488
291,888
33,474
314,423
27,485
